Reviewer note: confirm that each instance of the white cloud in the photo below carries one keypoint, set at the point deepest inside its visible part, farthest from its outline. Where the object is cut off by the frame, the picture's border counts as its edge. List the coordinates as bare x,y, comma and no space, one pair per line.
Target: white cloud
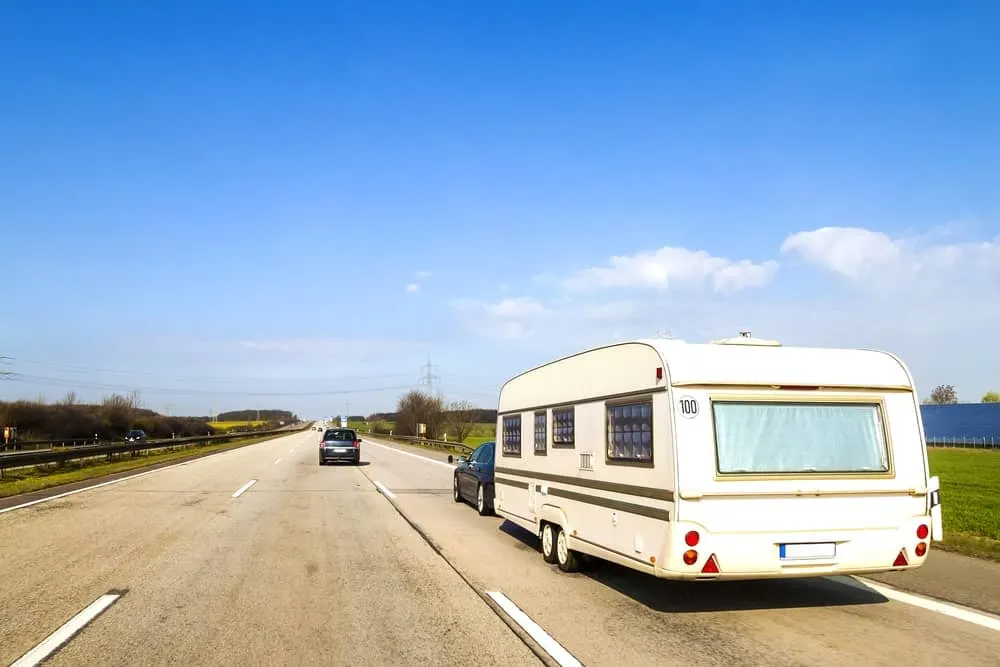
510,318
423,274
674,267
412,287
887,264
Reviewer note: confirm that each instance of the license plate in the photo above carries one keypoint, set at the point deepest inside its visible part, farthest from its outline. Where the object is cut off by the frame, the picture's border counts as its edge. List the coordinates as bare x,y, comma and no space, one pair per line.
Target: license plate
807,551
340,450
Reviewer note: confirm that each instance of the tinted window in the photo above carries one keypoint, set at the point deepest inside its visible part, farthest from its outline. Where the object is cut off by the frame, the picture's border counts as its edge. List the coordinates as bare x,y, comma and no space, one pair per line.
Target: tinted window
340,434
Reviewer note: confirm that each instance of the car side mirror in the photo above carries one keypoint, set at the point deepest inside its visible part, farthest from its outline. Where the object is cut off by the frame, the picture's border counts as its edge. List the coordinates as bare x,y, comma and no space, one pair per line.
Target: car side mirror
463,459
359,439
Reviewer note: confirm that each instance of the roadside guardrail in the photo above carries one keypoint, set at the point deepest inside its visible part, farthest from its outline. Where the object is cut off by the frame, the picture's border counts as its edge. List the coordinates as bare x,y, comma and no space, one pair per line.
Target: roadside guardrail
424,442
24,459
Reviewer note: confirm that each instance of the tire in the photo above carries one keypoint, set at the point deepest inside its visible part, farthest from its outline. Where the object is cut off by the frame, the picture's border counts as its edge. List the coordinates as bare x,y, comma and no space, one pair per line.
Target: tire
565,557
550,533
455,492
483,505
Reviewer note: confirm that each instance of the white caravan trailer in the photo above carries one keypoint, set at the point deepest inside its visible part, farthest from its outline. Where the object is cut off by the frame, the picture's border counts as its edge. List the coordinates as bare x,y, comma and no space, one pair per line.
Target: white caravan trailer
738,459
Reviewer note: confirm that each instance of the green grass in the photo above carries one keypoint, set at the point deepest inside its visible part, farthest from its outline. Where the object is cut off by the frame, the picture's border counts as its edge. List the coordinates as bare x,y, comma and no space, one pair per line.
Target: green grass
970,499
26,480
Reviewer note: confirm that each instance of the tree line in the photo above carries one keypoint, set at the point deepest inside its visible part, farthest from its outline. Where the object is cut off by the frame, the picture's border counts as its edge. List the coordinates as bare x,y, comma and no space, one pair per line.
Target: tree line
254,415
945,394
110,419
456,418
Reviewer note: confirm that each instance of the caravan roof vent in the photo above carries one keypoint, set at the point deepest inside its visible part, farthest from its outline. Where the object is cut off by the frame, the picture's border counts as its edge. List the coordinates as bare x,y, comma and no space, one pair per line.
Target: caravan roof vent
745,339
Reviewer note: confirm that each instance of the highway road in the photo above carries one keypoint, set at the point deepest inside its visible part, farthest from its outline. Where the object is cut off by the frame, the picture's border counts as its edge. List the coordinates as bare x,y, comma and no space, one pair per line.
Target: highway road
260,556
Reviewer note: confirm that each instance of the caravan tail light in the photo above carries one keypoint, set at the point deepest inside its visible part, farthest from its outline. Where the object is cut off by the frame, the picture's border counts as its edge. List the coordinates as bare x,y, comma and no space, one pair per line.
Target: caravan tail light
690,557
692,537
711,565
922,531
900,560
921,549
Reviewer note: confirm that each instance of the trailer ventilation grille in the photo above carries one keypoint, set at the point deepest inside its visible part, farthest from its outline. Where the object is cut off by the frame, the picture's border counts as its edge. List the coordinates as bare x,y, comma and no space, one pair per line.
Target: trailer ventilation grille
586,461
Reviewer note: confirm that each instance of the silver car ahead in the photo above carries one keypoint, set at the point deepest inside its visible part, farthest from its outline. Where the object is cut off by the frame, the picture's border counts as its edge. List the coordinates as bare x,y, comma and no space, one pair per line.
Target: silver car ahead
340,444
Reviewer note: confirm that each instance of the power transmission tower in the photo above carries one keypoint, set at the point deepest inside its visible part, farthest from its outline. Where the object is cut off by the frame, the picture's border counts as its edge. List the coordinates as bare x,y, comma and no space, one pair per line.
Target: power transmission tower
429,376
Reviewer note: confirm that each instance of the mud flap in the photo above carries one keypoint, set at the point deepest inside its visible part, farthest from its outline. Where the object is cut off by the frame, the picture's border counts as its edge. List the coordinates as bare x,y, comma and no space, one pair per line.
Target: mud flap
934,491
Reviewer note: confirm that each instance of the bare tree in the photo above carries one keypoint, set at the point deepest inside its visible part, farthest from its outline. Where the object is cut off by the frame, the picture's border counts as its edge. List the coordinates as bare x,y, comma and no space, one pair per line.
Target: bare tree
944,394
416,407
461,417
69,398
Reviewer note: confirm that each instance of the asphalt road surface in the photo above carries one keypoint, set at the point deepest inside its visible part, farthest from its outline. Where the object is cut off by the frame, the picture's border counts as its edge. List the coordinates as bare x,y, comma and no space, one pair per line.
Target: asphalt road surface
315,565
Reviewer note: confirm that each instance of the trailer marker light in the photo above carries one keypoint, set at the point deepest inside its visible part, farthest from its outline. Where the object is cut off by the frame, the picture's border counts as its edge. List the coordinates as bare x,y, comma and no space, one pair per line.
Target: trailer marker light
659,373
921,549
690,557
692,537
900,560
922,531
711,565
652,559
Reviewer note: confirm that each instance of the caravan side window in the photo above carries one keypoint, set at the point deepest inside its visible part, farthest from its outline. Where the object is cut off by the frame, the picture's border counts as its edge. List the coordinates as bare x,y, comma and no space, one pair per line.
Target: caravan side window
562,427
541,433
512,435
630,432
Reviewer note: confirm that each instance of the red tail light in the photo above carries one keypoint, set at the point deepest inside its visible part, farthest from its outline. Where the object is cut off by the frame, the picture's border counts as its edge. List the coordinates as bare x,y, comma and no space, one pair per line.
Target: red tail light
900,560
711,565
922,531
921,549
690,556
692,537
357,443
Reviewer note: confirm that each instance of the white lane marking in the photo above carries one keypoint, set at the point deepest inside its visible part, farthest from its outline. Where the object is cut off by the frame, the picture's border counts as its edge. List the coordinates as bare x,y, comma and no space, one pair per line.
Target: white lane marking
979,618
49,645
91,488
548,644
416,456
381,487
243,489
114,481
277,460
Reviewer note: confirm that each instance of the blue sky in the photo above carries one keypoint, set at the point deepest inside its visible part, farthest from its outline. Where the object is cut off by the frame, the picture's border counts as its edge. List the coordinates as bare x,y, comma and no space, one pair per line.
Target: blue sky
213,202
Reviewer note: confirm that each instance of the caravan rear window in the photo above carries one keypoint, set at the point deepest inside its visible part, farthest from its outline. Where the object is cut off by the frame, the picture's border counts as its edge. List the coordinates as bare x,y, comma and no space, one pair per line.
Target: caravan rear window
786,438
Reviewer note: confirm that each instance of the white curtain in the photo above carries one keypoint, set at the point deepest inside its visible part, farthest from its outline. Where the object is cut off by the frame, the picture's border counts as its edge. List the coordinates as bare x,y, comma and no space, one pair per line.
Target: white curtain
766,437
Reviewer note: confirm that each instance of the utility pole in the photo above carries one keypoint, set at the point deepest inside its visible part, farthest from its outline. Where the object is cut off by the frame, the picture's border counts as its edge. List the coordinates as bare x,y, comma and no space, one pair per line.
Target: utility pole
429,376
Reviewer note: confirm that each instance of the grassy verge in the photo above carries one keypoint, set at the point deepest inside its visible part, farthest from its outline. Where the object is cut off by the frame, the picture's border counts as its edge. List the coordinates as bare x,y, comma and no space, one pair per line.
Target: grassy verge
26,480
479,433
970,500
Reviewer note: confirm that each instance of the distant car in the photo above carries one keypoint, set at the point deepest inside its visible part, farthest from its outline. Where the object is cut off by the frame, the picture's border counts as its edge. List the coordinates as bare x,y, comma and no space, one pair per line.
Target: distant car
340,444
474,478
135,435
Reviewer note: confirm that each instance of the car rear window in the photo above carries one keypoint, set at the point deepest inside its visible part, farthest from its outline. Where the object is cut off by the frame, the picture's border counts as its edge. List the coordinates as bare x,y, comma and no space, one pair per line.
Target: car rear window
339,434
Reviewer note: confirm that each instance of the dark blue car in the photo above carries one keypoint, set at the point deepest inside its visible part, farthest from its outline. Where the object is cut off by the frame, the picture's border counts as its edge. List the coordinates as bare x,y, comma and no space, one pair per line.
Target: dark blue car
474,478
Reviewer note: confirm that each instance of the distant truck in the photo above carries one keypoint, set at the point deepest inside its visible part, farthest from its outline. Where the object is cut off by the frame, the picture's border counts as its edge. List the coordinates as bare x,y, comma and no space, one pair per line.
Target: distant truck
737,459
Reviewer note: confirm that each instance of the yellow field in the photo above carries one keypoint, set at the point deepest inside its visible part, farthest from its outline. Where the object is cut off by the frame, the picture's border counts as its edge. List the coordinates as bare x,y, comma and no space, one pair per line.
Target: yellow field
229,426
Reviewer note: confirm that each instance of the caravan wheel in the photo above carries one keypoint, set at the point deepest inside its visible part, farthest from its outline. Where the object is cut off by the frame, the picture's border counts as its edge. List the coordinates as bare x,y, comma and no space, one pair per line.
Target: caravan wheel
567,559
549,542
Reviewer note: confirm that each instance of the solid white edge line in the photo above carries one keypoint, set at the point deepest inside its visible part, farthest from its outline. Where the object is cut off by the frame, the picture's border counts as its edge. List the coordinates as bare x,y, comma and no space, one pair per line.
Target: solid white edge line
979,618
243,489
48,645
381,487
416,456
548,644
108,483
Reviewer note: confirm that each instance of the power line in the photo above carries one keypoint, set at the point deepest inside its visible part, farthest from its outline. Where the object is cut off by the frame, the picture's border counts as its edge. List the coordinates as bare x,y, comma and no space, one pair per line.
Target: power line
201,392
